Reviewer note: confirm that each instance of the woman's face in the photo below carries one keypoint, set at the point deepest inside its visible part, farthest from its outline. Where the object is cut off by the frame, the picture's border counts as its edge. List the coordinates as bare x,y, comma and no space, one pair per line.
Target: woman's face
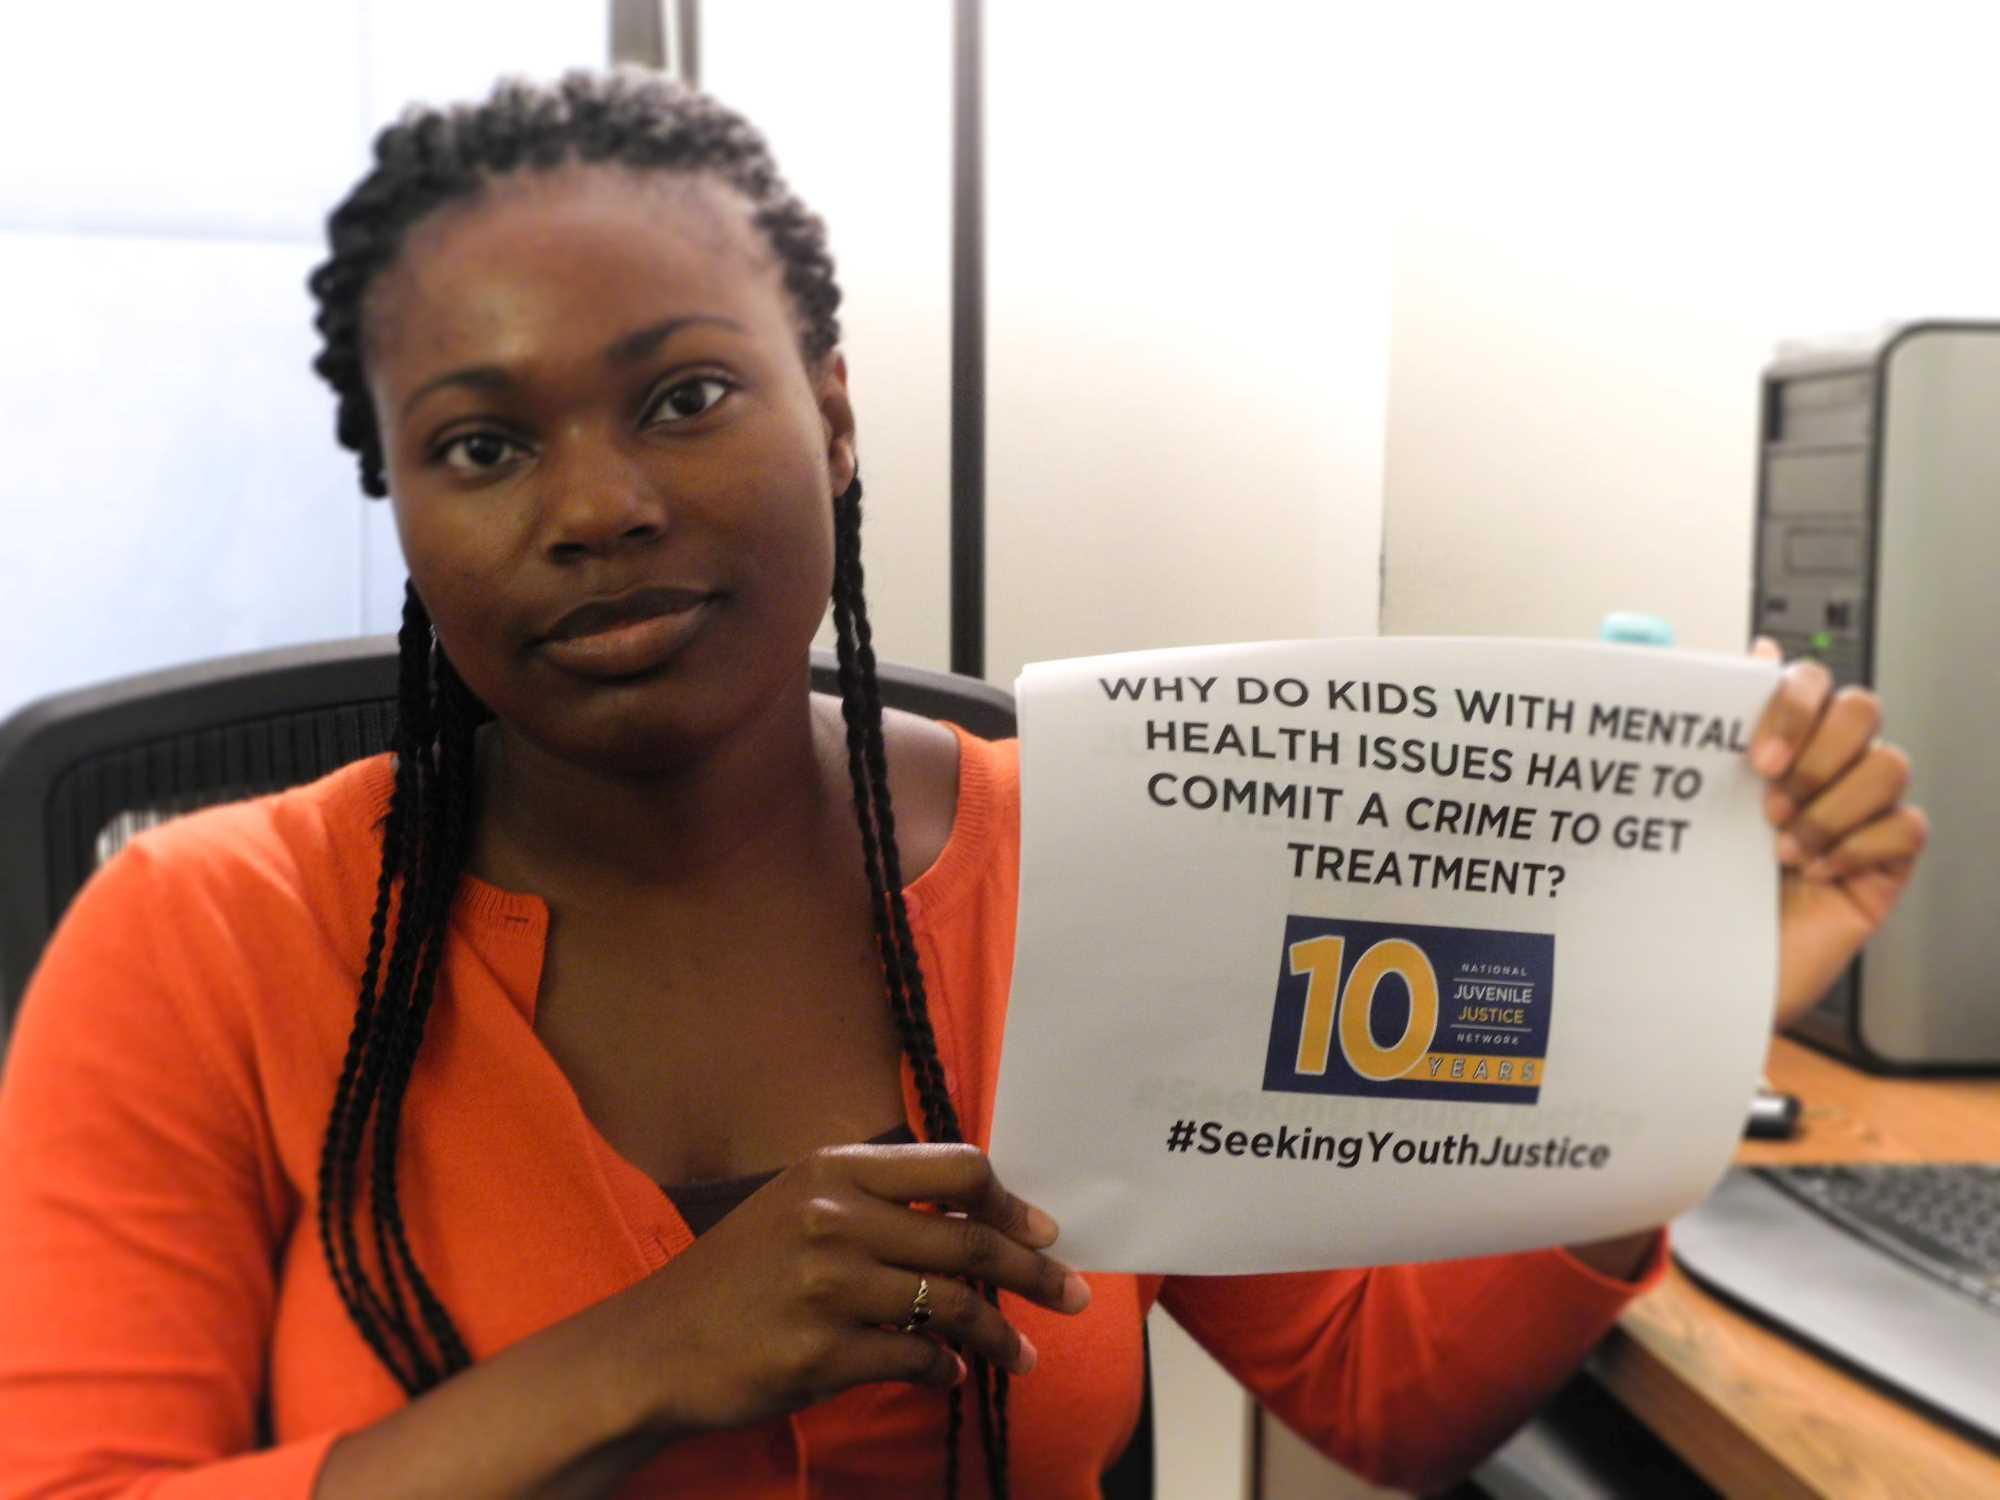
612,471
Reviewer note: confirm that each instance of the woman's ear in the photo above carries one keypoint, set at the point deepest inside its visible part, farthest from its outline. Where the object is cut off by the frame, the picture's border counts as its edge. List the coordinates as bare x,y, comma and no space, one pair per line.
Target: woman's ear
836,415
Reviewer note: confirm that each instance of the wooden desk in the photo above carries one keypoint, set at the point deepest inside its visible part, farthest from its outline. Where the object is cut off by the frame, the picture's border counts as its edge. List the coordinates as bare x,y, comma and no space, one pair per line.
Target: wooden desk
1758,1415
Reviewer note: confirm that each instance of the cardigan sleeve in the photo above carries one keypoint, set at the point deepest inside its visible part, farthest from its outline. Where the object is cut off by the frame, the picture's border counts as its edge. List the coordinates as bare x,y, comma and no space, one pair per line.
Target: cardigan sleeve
1408,1375
142,1216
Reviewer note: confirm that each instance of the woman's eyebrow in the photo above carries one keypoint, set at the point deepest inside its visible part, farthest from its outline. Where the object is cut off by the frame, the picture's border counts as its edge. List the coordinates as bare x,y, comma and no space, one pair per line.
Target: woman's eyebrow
623,350
642,343
478,377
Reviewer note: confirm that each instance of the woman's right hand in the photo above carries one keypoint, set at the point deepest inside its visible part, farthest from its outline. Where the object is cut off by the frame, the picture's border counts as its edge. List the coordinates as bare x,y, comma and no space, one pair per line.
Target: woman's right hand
800,1292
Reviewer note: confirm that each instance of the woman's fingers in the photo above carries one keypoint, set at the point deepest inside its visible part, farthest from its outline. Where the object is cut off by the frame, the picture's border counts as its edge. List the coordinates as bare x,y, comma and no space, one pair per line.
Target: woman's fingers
1888,842
1839,740
803,1291
963,1246
845,1254
871,1355
953,1176
992,1238
1835,791
958,1314
1872,784
1788,719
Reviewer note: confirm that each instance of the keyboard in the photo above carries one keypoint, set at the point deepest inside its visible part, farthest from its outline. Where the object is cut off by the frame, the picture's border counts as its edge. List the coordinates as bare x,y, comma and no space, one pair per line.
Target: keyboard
1891,1271
1942,1220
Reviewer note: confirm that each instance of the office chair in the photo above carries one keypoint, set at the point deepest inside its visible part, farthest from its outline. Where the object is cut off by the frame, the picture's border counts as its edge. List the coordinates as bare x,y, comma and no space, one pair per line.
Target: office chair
82,772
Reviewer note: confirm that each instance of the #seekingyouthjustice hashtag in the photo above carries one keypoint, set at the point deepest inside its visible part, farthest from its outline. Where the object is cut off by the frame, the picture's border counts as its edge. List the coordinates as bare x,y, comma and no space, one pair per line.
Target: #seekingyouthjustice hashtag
1385,1148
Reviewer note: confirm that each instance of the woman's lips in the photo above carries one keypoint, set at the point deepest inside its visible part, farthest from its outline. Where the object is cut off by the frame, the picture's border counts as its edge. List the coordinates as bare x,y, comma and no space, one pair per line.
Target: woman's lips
629,647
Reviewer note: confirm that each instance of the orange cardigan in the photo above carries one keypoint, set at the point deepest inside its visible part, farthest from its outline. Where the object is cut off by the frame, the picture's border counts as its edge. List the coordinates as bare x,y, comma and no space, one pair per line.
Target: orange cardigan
163,1296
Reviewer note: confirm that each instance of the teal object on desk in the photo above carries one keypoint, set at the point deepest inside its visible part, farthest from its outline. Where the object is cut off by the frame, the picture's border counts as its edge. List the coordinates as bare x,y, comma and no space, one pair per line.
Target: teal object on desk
1636,630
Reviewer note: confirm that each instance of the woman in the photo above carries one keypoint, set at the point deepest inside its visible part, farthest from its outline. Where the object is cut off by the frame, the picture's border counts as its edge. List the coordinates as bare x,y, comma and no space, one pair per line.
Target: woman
408,1127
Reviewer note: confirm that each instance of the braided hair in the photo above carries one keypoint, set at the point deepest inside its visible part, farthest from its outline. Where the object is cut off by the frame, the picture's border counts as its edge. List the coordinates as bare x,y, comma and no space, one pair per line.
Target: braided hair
425,160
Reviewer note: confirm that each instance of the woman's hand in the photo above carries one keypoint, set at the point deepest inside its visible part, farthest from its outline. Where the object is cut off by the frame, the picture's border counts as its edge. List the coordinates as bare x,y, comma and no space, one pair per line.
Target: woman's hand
801,1292
1846,840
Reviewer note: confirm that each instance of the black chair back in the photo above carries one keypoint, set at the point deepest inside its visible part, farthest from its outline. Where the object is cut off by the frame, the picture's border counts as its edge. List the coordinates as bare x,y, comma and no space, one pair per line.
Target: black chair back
83,771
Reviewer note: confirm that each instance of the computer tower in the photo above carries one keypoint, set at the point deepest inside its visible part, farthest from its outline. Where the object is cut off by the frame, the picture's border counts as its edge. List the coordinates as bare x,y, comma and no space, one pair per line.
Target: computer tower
1878,551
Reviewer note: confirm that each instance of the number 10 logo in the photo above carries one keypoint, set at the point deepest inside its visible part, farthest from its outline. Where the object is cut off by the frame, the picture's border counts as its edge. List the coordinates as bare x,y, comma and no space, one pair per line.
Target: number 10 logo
1319,961
1409,1010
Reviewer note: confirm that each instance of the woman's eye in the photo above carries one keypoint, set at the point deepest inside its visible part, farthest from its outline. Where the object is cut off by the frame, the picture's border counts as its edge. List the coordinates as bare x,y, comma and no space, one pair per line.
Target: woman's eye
477,452
690,398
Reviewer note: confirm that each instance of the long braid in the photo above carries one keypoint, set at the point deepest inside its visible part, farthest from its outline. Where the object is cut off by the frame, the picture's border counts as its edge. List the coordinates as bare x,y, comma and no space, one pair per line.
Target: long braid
335,1188
875,756
940,1122
412,843
449,826
417,779
885,890
425,843
424,161
353,1100
861,704
414,941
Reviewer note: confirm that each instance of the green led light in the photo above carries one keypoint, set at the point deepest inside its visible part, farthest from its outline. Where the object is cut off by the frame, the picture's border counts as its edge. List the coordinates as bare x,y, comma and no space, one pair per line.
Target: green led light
1821,640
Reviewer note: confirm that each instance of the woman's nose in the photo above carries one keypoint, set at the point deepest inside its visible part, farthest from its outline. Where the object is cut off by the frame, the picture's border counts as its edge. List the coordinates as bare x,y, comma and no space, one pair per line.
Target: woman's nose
597,499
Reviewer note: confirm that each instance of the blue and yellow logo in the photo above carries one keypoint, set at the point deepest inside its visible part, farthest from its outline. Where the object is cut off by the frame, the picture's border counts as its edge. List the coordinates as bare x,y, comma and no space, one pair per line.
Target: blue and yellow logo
1411,1012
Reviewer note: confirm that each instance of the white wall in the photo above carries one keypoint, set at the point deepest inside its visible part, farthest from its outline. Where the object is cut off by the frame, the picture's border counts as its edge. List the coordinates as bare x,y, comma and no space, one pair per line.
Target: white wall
1187,294
173,491
170,491
1606,217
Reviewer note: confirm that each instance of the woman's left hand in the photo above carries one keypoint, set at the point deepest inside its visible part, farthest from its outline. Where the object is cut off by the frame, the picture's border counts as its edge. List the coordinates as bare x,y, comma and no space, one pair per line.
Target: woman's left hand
1847,841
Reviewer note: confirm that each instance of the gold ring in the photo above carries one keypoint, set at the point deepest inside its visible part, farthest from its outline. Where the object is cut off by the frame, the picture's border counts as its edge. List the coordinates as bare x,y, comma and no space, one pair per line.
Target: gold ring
920,1307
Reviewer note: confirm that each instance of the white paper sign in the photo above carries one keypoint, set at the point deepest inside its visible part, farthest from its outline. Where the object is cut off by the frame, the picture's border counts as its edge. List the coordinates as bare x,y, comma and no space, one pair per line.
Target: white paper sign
1358,952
